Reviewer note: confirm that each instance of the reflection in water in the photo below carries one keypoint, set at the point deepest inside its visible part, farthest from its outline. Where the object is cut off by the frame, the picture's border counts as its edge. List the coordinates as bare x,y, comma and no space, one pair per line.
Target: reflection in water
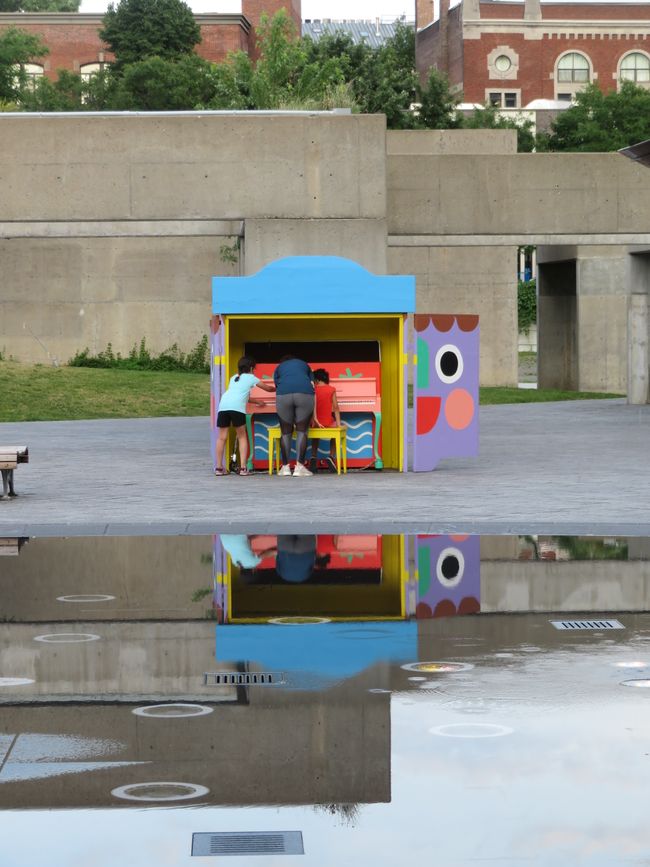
404,672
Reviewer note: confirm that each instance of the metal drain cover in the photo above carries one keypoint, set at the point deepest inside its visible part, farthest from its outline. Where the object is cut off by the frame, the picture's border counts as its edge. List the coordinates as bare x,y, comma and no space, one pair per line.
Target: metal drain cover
242,678
248,843
587,624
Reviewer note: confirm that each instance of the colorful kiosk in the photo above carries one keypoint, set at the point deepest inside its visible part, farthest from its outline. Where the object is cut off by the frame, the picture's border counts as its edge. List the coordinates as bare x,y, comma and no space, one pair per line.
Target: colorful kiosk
363,329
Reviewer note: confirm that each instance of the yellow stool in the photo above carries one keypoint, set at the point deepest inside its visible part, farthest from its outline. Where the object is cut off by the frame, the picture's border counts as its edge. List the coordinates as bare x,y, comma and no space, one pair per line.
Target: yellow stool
314,433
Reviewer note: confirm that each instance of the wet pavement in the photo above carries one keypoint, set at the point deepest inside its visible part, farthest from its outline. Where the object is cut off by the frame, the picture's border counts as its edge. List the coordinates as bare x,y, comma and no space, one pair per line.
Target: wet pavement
353,699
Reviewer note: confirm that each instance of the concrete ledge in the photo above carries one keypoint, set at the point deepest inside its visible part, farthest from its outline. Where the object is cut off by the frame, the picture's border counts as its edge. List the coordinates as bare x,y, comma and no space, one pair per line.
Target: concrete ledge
120,228
549,239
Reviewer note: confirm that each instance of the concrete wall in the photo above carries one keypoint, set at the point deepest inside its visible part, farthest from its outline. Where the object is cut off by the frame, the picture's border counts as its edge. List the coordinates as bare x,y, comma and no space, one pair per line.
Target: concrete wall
295,750
111,226
479,280
151,578
113,230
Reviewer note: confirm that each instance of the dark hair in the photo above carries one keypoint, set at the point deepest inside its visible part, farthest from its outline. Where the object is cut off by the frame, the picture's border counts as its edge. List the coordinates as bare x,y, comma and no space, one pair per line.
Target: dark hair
286,357
321,375
322,560
244,365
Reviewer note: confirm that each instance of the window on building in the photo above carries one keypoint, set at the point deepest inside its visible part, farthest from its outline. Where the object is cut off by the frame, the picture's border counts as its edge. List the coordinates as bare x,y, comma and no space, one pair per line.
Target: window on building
29,73
564,97
503,98
503,63
635,67
573,67
87,70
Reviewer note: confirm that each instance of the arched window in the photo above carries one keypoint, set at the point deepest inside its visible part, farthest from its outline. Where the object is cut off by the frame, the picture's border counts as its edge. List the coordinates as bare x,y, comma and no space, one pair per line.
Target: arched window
635,67
87,70
573,67
29,73
573,72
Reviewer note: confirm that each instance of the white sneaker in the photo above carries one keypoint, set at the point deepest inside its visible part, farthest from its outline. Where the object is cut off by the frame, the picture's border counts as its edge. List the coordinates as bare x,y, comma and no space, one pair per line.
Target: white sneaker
301,470
284,470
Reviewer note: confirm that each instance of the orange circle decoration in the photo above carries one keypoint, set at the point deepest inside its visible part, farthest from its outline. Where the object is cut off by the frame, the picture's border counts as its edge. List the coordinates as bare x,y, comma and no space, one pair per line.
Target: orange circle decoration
459,409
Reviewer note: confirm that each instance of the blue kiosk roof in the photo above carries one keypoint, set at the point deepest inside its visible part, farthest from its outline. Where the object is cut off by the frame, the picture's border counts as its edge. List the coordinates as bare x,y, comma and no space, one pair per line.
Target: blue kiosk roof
313,284
318,655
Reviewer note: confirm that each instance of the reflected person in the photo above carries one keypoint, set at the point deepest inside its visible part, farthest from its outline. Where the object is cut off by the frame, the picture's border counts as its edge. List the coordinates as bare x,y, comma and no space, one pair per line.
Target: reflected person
296,558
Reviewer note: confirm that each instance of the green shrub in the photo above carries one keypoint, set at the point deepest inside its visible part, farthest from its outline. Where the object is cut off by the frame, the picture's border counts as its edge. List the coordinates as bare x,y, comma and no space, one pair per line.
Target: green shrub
526,304
140,358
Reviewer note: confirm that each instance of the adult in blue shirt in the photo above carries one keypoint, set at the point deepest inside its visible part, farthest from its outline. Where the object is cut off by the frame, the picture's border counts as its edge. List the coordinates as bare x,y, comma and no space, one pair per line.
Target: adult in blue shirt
294,401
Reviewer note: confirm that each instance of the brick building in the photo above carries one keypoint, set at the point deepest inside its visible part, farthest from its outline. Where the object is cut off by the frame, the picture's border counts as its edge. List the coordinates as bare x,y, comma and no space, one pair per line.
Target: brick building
74,43
510,54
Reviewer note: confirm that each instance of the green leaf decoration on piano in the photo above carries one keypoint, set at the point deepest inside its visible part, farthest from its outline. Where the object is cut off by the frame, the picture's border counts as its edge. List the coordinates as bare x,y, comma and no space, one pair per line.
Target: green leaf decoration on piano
349,375
352,556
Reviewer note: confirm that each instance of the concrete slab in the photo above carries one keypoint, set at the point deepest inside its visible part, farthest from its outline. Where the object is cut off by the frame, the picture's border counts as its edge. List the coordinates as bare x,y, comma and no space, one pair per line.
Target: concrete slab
575,467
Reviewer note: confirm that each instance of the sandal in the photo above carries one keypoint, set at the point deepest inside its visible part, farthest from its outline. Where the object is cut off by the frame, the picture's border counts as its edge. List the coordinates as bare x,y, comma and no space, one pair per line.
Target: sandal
245,472
220,472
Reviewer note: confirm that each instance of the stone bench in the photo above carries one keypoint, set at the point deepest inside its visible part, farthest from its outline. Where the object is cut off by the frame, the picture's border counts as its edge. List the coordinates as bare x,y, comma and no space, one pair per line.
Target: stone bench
10,457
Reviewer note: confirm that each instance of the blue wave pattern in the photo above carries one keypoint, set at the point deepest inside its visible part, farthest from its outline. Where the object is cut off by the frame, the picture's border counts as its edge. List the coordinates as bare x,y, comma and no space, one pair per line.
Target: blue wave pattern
359,438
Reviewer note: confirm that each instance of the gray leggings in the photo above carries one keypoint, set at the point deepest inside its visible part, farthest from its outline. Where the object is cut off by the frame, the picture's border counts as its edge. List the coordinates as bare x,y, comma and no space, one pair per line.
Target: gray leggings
294,409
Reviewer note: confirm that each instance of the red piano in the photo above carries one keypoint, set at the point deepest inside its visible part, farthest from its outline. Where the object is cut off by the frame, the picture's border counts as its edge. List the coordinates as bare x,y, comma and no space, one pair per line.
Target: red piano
358,391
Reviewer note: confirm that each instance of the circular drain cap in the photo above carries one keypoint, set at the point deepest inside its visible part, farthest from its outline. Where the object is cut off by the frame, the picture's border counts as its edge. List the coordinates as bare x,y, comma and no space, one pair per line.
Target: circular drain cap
471,730
67,637
437,667
298,621
173,711
639,682
159,791
15,681
88,597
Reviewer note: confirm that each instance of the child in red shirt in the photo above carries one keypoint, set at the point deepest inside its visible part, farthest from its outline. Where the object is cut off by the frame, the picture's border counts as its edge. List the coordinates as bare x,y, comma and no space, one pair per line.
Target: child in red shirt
326,409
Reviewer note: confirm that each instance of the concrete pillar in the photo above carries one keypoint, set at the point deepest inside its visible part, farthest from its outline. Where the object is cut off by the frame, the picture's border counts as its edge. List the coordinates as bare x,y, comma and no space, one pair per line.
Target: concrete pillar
557,342
471,10
602,287
638,354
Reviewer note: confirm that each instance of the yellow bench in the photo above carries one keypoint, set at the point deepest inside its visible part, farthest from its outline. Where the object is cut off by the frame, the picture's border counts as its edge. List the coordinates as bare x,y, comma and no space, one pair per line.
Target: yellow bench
314,433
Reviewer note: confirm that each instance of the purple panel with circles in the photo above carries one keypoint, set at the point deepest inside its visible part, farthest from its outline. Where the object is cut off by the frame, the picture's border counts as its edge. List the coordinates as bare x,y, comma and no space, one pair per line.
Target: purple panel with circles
449,575
445,390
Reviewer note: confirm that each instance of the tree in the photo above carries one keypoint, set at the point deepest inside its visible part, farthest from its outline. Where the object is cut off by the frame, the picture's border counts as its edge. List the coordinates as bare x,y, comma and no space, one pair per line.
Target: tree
16,49
490,118
39,5
437,104
386,81
603,121
135,30
155,84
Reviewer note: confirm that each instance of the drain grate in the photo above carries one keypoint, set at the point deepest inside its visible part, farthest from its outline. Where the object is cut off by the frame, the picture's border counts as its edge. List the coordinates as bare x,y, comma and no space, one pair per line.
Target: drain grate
587,624
248,843
242,678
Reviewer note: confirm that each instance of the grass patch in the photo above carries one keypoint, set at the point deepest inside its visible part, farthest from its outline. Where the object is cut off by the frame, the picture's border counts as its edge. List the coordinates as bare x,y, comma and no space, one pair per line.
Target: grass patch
536,395
38,393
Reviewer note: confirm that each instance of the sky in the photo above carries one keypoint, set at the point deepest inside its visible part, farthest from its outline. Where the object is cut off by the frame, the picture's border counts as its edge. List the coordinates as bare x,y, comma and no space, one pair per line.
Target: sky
355,9
335,9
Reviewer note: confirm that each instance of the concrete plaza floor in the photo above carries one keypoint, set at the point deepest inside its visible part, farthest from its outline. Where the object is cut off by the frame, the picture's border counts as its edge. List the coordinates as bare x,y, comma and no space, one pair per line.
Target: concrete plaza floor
567,468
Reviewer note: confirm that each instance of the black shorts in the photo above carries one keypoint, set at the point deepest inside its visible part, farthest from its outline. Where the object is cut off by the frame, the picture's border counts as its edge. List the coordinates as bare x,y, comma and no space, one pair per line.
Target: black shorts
230,416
